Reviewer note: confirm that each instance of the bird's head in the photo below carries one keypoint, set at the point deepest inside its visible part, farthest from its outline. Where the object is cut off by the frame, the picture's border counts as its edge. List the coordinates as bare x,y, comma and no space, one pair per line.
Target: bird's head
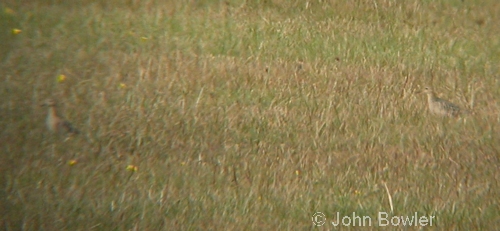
49,103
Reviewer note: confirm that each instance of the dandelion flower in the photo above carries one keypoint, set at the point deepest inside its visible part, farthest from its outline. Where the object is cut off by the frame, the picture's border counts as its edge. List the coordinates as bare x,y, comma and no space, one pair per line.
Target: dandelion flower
297,172
72,162
122,86
16,31
132,168
61,78
9,11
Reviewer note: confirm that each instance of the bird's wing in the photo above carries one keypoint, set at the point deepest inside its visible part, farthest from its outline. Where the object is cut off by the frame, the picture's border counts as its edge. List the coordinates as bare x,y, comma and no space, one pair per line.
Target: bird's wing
69,127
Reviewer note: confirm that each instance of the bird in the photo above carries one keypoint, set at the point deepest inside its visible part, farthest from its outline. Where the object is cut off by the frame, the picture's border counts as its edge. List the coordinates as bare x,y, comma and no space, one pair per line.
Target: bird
441,107
56,123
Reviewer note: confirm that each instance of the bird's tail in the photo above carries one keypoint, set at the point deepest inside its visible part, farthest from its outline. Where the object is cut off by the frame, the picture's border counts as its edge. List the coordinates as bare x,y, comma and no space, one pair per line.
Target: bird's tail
69,127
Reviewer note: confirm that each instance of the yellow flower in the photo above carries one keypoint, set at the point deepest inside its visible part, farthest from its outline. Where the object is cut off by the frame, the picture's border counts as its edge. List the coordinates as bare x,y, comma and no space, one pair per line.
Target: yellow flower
297,172
9,11
144,38
183,163
122,86
131,168
61,78
356,192
16,31
72,162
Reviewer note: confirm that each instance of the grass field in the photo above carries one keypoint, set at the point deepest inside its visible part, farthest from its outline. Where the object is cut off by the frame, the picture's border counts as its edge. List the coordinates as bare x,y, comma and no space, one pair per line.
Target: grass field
248,115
